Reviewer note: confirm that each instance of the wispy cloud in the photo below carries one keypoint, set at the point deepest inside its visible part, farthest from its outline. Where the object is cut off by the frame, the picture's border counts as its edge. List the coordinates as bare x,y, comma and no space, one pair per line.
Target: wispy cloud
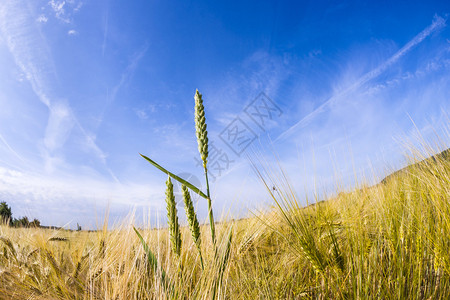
72,32
74,197
42,19
438,23
58,8
129,71
142,114
341,141
33,56
64,9
124,78
59,125
259,72
30,52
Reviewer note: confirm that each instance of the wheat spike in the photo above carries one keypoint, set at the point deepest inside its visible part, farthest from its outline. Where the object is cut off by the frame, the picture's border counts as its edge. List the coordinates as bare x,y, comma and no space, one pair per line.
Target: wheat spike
58,239
174,227
200,128
192,220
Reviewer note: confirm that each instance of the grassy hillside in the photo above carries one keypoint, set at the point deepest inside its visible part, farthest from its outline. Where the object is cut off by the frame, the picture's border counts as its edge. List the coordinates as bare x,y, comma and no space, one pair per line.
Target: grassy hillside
389,241
417,162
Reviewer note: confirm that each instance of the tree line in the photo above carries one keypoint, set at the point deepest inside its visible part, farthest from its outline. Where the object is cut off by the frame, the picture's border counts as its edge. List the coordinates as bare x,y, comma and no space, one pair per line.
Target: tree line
6,218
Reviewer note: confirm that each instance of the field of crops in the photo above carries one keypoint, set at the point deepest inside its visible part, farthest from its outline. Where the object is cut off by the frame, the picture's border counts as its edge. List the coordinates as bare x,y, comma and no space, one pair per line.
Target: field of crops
388,241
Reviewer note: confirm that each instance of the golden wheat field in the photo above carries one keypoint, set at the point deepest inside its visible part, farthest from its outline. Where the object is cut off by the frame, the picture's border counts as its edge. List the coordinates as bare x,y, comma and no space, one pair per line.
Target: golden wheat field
387,241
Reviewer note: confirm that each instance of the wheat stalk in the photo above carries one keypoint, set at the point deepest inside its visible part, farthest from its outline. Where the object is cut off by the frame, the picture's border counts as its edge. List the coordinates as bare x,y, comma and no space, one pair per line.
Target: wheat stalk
202,140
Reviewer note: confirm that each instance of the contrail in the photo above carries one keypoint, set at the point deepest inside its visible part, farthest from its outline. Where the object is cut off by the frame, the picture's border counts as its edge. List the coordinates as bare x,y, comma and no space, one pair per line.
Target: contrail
438,23
11,149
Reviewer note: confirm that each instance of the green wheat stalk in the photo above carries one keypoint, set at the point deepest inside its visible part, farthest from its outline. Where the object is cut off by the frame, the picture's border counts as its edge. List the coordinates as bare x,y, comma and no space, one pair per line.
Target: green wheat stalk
174,228
202,140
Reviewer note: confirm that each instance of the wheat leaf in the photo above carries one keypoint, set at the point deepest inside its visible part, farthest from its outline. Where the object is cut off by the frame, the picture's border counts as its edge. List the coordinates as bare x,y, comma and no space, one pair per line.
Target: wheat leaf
181,180
152,258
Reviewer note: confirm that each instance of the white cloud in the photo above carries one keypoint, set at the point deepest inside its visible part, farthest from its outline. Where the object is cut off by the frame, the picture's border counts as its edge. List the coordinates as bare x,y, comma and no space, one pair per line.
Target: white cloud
361,136
63,195
77,5
142,114
72,32
260,72
59,126
437,24
64,10
58,8
359,119
42,19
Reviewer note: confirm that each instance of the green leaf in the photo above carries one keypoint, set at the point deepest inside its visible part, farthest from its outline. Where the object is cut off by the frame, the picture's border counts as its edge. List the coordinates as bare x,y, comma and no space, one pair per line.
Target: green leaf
179,179
151,258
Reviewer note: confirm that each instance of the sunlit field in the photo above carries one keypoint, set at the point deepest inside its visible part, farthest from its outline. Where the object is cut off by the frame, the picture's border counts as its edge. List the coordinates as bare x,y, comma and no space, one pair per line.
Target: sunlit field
387,241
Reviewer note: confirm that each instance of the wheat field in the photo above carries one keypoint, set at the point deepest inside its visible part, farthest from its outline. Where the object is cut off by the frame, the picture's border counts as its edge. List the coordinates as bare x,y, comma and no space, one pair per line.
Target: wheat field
386,241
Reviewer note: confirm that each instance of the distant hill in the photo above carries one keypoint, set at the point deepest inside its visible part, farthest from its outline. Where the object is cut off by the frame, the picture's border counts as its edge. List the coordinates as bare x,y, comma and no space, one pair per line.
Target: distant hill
444,155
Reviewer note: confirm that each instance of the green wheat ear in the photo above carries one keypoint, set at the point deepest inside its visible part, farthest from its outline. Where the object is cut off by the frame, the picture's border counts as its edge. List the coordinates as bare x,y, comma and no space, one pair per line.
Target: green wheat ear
202,139
174,227
200,128
192,220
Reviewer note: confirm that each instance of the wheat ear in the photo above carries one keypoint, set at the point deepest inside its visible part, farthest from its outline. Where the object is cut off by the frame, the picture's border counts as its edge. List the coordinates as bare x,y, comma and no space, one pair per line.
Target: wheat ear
192,220
200,128
174,227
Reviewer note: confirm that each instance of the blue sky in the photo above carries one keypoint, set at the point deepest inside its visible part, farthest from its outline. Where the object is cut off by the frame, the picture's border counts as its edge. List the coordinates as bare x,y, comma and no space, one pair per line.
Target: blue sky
85,86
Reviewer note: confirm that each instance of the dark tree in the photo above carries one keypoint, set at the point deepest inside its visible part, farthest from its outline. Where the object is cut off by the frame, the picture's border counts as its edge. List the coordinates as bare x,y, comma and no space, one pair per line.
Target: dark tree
22,222
5,213
35,223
